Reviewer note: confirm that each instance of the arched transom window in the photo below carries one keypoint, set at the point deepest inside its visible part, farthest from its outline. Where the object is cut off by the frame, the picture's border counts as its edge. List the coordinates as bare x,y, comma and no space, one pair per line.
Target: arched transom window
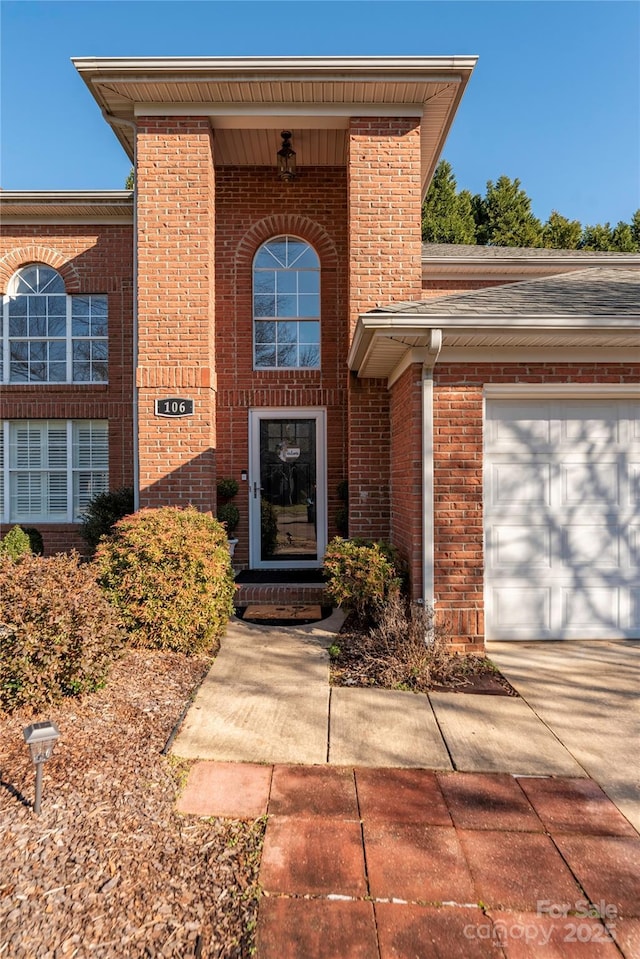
286,305
50,337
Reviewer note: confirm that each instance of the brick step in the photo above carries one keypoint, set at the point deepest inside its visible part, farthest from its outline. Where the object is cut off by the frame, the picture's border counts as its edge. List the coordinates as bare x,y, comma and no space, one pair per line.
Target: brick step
280,594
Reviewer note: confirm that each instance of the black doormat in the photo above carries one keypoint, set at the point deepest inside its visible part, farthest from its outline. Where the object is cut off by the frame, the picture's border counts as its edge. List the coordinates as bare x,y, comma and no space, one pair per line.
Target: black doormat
280,576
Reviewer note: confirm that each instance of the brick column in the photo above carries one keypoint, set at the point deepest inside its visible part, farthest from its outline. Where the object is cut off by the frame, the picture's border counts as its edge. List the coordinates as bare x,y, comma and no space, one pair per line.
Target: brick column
175,196
384,205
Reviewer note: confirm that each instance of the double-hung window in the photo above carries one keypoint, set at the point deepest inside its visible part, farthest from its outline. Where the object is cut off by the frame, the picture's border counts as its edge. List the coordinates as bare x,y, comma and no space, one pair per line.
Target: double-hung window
50,337
286,305
51,469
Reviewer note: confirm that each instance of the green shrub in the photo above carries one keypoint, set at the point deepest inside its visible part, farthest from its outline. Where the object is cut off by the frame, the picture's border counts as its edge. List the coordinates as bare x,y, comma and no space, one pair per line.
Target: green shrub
361,575
230,516
35,539
168,572
16,543
227,488
58,633
103,512
268,528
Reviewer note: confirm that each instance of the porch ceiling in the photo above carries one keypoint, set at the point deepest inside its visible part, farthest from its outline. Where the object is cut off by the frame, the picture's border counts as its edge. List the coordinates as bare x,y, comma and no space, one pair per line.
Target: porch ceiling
250,100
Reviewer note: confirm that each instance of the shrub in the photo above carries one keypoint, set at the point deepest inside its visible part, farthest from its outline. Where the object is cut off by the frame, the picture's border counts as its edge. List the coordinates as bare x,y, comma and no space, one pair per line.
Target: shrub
168,572
16,543
227,488
230,516
58,633
361,575
103,512
35,539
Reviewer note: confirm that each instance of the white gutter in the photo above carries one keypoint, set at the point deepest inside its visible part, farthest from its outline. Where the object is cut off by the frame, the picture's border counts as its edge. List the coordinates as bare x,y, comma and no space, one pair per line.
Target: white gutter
428,508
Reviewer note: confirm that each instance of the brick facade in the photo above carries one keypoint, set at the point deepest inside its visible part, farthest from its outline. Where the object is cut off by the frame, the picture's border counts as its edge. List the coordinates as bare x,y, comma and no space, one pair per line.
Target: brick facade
176,309
384,202
91,259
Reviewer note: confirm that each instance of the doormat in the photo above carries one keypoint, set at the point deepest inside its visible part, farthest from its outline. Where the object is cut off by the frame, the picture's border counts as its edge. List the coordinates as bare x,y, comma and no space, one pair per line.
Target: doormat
283,615
280,576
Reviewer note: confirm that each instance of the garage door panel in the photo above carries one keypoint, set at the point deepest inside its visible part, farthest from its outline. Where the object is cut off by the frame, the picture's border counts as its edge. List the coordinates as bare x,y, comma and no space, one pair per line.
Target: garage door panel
562,519
518,546
524,484
591,482
523,608
596,547
591,606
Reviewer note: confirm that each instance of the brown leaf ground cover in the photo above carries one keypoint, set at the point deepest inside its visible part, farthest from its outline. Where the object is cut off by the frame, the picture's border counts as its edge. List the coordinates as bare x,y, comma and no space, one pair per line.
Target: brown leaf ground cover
393,654
109,869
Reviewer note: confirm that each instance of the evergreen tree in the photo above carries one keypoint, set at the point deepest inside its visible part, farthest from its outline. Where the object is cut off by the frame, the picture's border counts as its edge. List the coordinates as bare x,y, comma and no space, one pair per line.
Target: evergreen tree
130,182
505,217
447,215
559,233
622,238
635,228
597,237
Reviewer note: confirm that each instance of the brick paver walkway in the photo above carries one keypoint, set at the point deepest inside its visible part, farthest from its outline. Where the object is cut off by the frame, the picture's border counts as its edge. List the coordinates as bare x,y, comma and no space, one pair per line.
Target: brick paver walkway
415,864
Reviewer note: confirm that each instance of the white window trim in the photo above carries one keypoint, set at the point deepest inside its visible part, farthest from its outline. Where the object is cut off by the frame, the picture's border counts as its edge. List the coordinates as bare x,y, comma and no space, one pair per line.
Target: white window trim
68,338
71,517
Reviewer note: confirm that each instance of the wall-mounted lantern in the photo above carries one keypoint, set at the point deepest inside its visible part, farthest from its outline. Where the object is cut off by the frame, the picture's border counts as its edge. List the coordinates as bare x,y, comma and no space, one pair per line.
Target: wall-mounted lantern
40,738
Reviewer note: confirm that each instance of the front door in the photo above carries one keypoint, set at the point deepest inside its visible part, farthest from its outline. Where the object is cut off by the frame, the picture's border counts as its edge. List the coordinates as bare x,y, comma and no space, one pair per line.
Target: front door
287,489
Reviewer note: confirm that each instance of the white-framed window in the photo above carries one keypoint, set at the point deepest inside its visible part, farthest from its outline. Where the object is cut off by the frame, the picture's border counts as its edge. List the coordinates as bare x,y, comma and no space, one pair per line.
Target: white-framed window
51,469
49,336
286,305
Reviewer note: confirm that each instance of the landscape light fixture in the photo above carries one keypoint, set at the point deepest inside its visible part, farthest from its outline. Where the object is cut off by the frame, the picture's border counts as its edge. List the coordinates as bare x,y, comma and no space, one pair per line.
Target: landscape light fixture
40,738
286,158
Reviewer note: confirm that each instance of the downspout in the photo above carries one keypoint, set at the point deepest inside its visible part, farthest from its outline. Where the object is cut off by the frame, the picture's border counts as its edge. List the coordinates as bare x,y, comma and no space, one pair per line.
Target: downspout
428,509
111,120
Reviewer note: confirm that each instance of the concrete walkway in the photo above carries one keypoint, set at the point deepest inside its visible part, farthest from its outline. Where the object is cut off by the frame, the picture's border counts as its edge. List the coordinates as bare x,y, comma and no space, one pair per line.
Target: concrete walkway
403,826
267,699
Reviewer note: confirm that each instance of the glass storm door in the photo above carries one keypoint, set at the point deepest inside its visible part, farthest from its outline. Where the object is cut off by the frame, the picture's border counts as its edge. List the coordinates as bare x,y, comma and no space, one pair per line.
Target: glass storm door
287,494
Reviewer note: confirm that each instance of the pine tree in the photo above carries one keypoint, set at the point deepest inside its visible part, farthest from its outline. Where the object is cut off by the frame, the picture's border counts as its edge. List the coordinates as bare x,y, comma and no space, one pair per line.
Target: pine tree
559,233
505,217
447,215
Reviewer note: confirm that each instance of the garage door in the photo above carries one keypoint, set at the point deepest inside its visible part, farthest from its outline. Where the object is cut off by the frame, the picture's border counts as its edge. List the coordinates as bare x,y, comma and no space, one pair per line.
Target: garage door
562,519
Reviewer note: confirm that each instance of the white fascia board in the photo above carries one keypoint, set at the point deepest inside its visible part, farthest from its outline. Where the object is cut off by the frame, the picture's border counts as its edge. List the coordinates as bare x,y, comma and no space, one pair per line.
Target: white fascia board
270,65
62,196
413,323
307,115
68,220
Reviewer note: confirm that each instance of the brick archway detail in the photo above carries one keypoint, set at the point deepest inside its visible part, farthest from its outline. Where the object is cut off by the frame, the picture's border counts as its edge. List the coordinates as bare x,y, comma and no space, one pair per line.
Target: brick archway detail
292,225
23,256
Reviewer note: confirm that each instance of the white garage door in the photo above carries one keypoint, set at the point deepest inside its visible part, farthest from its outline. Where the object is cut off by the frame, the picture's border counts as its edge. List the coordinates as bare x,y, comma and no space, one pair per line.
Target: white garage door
562,519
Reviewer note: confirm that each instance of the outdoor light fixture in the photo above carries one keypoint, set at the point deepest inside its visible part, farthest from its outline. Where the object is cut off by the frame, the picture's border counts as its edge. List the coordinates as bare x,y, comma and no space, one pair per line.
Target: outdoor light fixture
286,158
40,738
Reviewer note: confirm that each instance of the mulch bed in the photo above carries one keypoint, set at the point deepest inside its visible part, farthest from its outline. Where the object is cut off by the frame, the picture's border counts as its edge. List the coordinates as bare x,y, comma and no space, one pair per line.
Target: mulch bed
109,869
362,661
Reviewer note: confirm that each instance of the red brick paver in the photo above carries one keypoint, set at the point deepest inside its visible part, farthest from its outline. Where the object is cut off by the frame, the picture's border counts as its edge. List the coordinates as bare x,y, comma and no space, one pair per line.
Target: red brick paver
413,864
477,801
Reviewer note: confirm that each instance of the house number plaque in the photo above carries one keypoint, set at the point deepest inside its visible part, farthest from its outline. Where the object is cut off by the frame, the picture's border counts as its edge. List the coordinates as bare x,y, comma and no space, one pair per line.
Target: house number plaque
174,406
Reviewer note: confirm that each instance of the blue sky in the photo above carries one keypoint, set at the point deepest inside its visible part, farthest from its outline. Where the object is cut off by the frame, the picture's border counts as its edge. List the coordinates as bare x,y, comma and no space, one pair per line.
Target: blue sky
554,100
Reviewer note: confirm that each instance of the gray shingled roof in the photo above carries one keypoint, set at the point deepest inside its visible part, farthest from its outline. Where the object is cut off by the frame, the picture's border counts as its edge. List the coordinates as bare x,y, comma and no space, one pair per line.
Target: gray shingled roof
457,250
602,291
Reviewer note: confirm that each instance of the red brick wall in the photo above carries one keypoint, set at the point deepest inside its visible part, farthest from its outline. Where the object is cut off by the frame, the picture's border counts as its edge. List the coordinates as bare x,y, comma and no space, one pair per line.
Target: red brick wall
253,205
384,205
406,472
176,318
458,466
91,259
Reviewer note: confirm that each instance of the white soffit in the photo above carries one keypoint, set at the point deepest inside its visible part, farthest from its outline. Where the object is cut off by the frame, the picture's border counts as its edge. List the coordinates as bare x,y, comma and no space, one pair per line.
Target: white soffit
259,94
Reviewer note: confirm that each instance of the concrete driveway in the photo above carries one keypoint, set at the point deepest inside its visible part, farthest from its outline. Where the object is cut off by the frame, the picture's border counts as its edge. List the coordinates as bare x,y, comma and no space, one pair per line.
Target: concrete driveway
587,694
